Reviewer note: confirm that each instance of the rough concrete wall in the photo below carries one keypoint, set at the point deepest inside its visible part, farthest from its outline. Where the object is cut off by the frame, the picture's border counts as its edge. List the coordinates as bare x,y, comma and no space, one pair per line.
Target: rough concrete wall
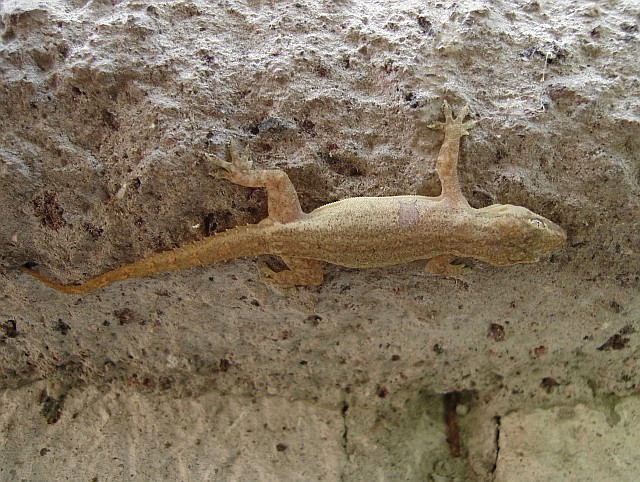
107,108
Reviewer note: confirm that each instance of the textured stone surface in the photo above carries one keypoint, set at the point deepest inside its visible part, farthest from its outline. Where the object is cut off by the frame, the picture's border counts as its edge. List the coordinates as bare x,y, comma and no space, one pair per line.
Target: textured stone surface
106,110
571,443
127,435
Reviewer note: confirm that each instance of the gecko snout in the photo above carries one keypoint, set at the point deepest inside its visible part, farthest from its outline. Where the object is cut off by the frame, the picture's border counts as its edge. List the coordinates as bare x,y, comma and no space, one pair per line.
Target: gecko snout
557,234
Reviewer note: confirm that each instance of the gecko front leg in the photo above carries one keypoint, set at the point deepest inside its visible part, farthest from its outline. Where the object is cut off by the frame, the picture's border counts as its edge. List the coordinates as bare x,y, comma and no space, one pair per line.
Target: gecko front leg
447,169
447,162
284,207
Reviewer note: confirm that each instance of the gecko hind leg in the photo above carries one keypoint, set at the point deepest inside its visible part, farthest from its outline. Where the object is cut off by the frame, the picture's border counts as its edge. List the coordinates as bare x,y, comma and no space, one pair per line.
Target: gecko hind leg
284,207
300,272
283,202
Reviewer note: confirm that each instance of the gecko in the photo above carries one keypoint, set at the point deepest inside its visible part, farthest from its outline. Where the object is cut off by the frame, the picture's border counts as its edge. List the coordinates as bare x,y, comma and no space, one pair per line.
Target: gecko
357,232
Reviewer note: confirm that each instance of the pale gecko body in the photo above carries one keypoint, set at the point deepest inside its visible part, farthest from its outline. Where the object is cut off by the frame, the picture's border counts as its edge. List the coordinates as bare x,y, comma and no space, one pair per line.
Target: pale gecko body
360,232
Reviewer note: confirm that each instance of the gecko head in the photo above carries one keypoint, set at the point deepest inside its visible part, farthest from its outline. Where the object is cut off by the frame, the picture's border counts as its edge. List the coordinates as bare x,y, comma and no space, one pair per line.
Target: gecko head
519,235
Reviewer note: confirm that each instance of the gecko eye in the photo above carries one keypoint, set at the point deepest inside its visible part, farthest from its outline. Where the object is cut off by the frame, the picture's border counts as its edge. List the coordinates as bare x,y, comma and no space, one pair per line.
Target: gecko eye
537,223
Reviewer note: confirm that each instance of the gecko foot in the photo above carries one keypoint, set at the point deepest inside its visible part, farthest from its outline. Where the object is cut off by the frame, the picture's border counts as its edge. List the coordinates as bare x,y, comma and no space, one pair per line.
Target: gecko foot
300,272
453,126
458,272
240,163
441,265
267,275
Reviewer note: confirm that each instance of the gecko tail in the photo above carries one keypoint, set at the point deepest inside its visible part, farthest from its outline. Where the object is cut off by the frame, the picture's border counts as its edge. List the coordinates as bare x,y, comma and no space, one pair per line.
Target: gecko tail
69,289
240,242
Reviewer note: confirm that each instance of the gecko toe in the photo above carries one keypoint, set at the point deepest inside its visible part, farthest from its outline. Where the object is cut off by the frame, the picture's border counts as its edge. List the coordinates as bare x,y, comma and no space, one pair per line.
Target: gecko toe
216,161
221,175
466,126
437,125
240,161
458,272
267,275
226,168
464,112
448,115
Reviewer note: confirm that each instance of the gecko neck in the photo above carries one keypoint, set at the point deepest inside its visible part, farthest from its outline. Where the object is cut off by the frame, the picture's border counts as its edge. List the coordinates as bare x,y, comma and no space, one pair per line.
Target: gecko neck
485,238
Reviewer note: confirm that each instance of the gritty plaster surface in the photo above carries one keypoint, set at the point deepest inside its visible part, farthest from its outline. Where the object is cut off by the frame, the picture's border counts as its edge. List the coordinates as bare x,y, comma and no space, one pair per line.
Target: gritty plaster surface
107,108
571,443
134,436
